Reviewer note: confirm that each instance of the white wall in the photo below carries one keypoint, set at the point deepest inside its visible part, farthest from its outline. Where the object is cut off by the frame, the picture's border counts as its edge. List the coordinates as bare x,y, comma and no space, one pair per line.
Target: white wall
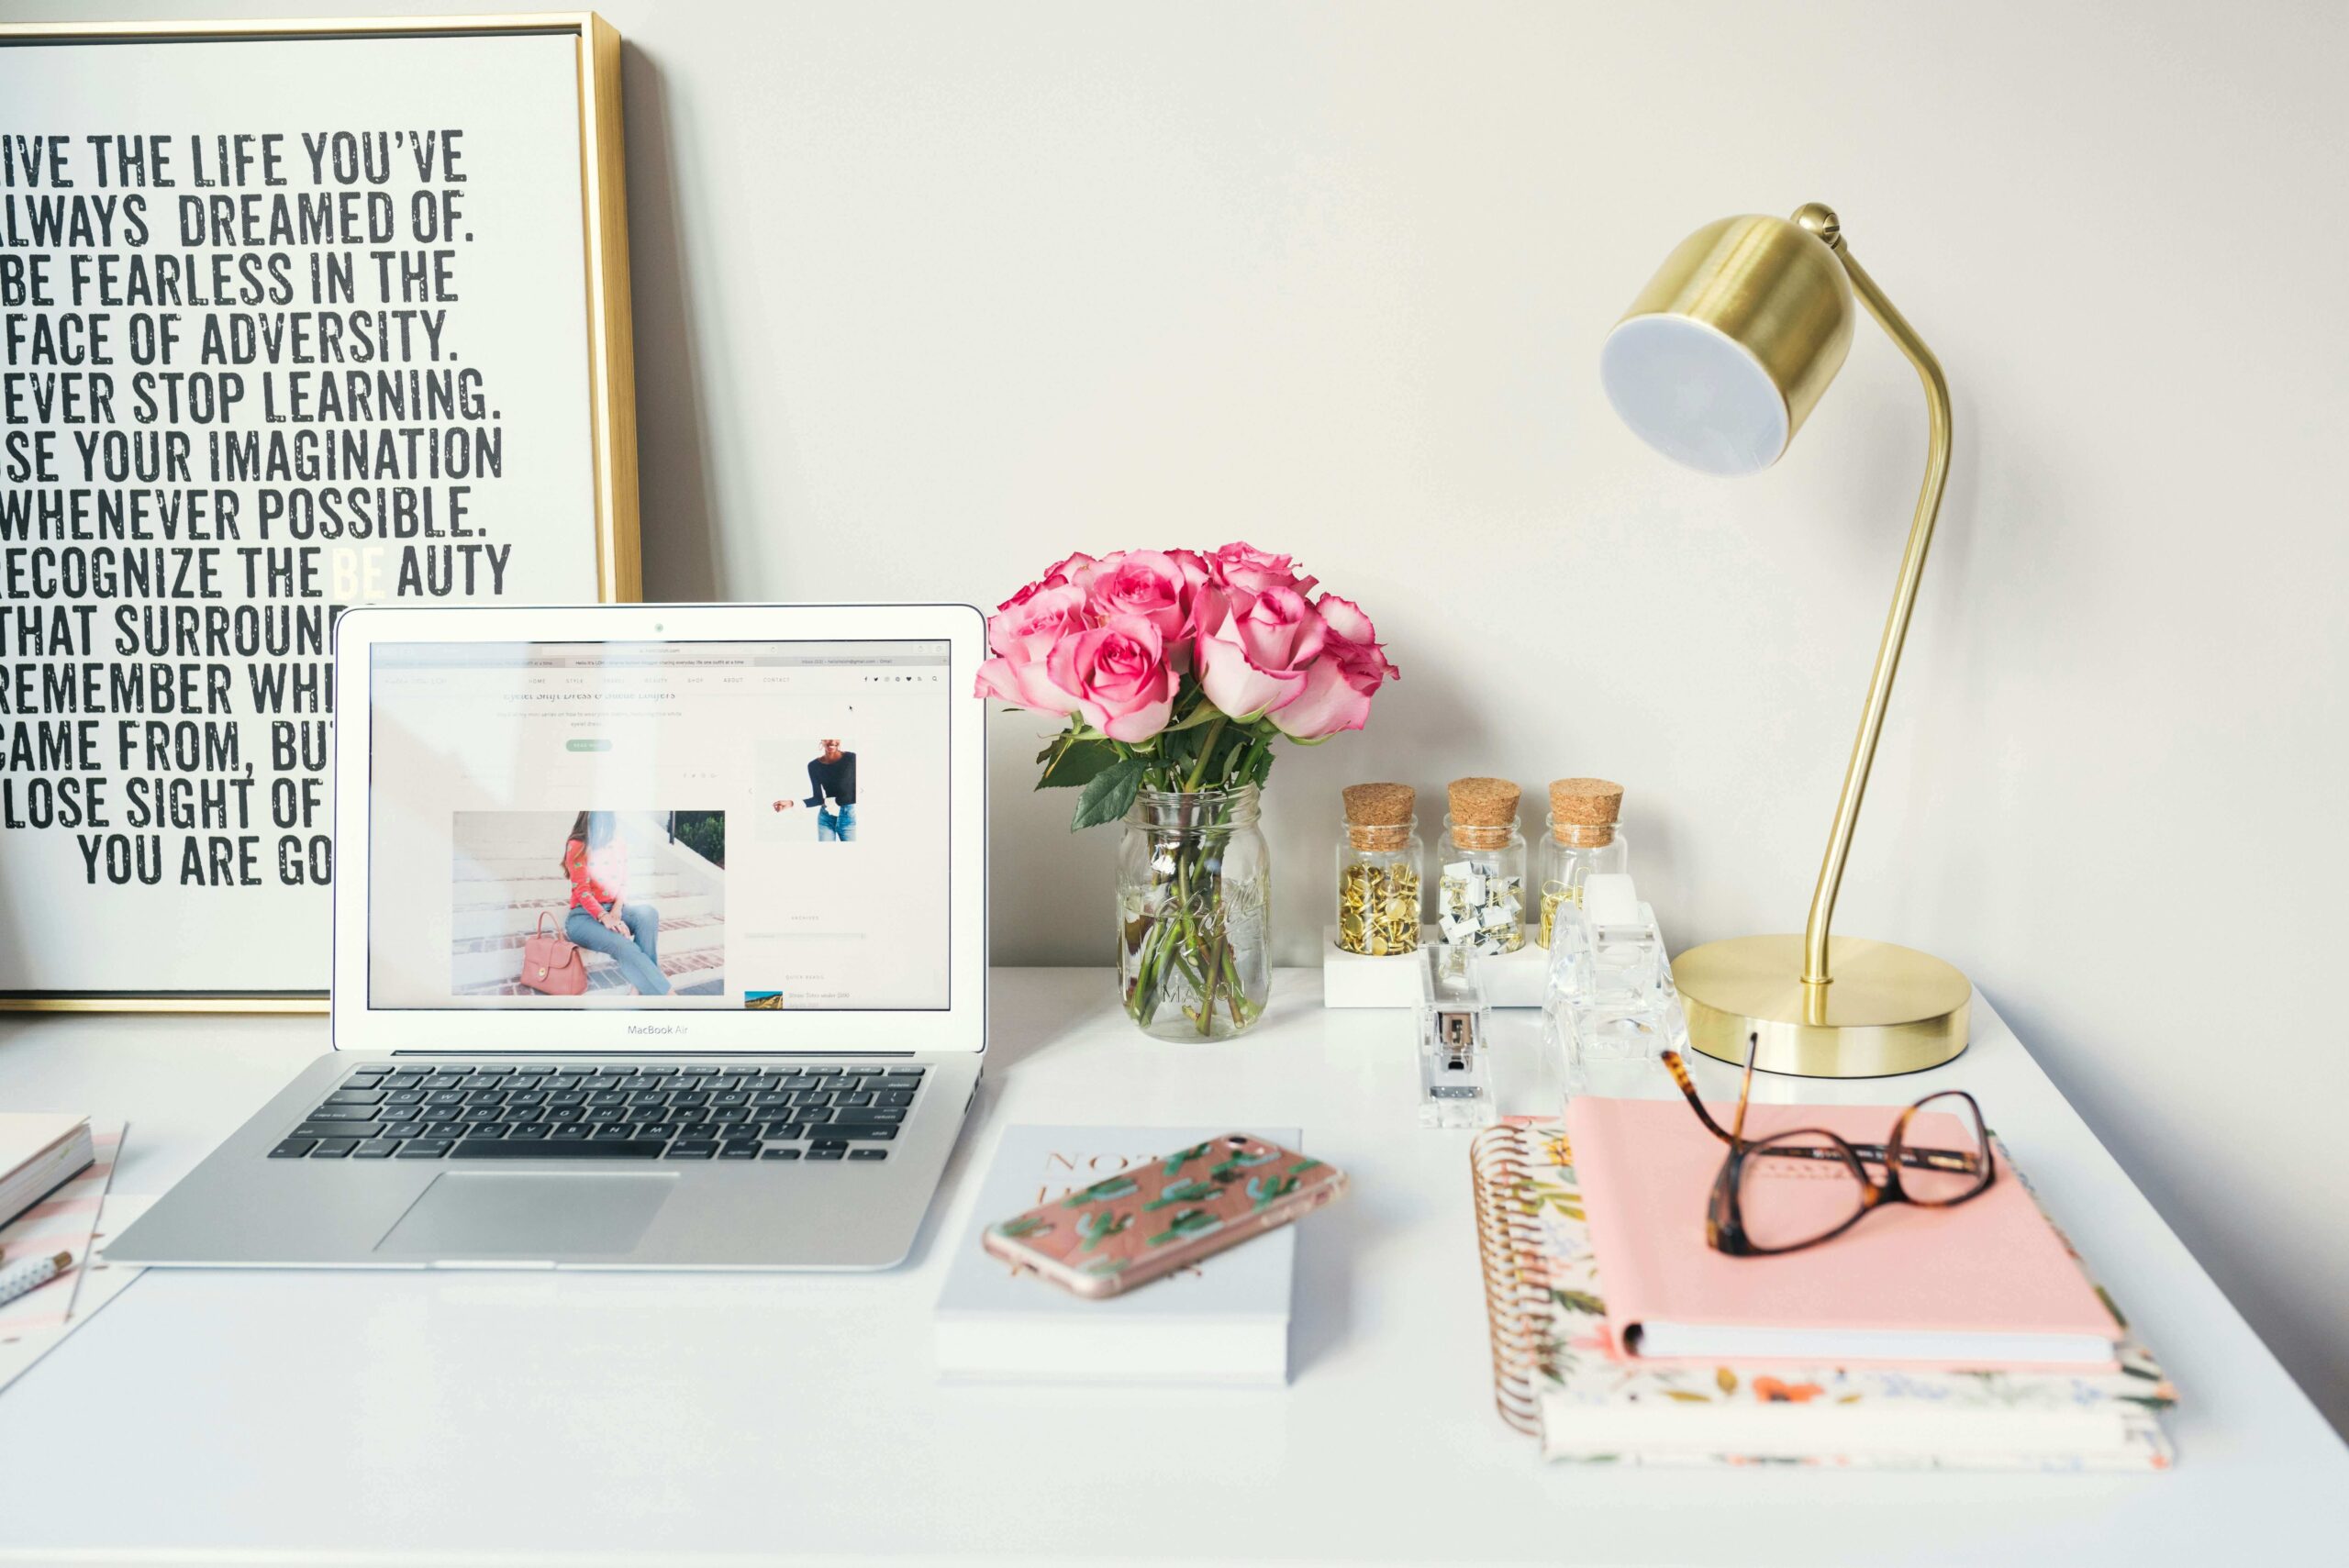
928,295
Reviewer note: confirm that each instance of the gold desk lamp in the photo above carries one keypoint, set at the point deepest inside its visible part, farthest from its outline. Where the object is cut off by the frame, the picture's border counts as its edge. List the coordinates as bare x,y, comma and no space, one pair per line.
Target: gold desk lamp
1716,365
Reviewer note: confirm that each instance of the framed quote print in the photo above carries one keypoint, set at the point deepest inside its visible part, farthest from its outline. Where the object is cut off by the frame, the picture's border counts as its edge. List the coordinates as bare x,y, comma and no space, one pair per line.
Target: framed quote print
293,316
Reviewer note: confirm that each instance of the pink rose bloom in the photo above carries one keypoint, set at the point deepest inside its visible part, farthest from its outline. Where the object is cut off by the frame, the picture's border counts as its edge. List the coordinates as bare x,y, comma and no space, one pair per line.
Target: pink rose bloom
1246,572
1257,658
1118,675
1072,568
1195,571
1198,582
1147,584
1031,623
1339,685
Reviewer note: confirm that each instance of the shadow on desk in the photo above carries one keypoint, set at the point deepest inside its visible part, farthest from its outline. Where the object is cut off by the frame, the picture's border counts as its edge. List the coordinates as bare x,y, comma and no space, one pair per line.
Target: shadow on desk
1047,1017
1044,1021
1321,1307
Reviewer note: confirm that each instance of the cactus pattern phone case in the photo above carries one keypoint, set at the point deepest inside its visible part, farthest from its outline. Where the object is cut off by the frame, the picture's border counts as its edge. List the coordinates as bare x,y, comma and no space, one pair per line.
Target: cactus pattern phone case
1155,1217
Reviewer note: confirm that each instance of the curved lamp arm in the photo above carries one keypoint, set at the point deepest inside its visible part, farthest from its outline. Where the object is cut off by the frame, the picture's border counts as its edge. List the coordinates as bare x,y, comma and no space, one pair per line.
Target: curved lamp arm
1815,973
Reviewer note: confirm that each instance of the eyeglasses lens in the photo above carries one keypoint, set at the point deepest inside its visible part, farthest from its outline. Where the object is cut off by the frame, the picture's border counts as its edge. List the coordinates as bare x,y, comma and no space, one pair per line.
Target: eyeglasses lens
1796,1187
1947,1155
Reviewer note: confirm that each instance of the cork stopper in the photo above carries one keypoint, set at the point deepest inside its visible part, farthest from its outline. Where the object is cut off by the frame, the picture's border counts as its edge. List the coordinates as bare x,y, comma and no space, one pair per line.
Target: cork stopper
1483,811
1379,815
1583,811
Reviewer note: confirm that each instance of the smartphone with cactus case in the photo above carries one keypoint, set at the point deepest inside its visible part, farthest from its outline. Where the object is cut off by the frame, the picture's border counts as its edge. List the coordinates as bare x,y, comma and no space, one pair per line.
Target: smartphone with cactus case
1158,1214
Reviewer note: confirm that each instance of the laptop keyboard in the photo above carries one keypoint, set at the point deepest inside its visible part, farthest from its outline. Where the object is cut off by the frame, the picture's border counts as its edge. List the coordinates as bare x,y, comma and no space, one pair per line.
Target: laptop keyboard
395,1111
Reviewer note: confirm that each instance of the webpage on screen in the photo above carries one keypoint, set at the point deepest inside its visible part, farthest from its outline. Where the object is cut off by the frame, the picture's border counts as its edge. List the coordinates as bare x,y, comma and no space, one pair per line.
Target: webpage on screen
659,825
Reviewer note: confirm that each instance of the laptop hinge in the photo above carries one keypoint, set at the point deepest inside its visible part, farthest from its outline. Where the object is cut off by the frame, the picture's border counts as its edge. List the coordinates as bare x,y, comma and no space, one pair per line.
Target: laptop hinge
659,1055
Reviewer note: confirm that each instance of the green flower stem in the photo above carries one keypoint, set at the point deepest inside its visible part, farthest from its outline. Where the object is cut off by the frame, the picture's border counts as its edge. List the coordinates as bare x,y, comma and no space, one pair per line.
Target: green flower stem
1206,1014
1206,749
1210,967
1183,897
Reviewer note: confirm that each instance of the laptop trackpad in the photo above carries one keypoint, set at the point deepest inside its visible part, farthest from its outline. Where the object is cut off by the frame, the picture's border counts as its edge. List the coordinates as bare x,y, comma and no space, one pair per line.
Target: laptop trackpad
528,1216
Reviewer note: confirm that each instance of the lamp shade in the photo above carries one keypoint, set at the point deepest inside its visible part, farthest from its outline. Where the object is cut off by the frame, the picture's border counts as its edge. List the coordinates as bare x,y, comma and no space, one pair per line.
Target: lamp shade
1724,354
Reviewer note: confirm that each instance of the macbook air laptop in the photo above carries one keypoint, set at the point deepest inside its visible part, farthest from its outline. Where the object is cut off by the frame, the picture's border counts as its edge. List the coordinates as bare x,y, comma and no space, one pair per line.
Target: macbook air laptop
660,942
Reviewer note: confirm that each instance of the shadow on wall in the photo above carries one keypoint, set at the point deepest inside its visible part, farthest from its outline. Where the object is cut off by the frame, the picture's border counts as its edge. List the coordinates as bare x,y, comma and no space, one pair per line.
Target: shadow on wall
680,545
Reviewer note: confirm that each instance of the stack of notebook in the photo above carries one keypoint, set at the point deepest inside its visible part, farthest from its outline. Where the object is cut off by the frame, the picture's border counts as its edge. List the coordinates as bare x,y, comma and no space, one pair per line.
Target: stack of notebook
1960,1337
37,1155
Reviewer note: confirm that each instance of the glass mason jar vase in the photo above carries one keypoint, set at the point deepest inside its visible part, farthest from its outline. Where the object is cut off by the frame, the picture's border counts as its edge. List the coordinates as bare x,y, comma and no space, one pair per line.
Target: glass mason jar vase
1194,913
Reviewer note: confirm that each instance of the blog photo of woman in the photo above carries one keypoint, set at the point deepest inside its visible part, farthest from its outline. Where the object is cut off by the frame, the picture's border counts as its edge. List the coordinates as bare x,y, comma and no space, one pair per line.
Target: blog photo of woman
831,794
641,895
601,920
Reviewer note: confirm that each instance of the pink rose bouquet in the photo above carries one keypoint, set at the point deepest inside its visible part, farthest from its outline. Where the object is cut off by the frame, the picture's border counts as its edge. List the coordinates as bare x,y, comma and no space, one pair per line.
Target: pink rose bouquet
1177,672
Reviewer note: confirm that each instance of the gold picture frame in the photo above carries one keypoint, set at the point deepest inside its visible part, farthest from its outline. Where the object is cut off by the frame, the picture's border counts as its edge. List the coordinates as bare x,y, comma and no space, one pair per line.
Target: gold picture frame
610,372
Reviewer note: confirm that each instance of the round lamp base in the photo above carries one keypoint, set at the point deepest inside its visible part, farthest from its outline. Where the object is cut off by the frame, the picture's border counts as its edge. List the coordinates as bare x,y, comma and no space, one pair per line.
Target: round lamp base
1888,1010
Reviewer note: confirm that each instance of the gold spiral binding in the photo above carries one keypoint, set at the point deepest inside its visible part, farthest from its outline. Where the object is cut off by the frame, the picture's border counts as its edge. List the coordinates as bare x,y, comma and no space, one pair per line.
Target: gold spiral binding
1516,1268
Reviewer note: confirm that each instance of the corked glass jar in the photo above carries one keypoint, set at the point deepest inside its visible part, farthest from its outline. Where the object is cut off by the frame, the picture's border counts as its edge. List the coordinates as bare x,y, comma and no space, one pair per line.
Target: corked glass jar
1480,887
1378,871
1582,839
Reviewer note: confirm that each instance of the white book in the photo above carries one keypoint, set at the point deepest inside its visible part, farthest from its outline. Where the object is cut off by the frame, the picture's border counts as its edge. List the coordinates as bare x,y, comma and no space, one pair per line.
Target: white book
39,1154
1222,1321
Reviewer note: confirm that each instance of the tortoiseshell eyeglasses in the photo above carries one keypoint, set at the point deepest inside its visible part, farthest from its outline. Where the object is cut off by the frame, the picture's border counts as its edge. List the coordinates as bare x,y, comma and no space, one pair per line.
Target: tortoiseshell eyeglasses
1795,1189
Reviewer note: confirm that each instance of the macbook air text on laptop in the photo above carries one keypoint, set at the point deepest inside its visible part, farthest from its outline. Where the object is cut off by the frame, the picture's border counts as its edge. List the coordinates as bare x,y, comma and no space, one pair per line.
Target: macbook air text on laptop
660,942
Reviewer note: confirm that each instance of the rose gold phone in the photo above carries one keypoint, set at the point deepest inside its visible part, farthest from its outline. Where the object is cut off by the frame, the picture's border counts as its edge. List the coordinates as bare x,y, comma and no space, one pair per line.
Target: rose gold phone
1155,1217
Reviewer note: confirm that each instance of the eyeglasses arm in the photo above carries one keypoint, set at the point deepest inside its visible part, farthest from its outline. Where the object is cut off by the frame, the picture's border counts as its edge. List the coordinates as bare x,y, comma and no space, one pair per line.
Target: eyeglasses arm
1679,1071
1868,1154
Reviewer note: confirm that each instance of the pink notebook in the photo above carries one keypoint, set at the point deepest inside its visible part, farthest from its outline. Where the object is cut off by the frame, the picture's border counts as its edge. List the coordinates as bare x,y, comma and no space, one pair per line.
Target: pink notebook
1988,1284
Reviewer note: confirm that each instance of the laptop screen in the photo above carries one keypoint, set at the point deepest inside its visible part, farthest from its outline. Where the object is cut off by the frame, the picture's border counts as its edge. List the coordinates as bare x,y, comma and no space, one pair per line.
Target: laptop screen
659,825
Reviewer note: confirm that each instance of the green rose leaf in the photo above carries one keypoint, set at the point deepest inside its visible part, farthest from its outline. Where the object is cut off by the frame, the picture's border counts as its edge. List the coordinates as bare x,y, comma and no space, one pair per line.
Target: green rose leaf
1108,794
1069,763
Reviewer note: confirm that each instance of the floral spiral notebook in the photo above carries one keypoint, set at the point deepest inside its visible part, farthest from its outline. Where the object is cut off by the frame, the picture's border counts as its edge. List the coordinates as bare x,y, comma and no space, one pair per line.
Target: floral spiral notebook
1554,1377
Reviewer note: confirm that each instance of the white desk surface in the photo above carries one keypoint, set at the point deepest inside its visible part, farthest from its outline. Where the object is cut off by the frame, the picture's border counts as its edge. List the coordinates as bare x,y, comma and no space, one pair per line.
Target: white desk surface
235,1416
